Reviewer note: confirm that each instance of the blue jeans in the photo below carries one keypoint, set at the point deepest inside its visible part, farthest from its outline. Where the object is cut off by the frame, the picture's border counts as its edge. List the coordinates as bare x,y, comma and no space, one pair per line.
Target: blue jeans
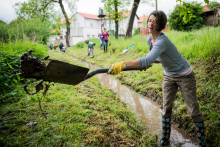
105,45
101,43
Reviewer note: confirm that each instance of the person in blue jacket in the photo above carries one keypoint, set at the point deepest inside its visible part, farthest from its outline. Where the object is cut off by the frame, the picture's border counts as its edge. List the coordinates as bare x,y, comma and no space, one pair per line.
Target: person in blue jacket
177,74
90,48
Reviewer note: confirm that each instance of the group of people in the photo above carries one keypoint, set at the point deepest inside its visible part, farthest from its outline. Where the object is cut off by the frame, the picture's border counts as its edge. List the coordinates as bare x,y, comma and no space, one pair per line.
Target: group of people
103,39
61,46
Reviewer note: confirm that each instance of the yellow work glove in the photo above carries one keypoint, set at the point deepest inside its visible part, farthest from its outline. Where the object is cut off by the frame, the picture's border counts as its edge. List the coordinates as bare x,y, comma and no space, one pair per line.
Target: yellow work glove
115,68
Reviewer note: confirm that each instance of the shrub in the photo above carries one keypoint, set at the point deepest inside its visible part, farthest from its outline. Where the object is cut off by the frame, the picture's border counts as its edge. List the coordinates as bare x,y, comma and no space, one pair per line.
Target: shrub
136,31
80,45
186,17
10,61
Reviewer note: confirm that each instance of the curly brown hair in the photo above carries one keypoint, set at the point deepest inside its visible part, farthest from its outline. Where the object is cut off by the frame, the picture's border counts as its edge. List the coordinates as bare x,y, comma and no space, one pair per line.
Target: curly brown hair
161,19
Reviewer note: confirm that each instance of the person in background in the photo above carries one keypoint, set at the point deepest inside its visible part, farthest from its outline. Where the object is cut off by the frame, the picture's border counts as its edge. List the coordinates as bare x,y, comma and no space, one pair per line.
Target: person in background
51,46
61,46
101,39
55,45
90,48
105,40
64,48
178,74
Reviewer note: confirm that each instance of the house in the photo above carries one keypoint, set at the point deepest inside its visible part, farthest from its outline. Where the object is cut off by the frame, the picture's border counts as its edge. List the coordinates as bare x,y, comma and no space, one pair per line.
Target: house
86,26
210,16
123,23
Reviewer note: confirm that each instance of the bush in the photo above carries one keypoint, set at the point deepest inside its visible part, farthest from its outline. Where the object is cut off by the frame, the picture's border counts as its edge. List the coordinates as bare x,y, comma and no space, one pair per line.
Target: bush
186,17
136,31
10,61
80,45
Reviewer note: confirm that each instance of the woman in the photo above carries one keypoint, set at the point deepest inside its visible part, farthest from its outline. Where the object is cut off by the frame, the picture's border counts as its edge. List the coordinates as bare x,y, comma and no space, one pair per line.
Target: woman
105,40
101,39
177,73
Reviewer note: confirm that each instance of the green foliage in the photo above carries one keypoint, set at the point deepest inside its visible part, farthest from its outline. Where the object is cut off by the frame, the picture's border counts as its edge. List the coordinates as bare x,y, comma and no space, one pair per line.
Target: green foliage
136,31
80,45
206,1
32,9
213,5
10,61
4,31
186,17
22,29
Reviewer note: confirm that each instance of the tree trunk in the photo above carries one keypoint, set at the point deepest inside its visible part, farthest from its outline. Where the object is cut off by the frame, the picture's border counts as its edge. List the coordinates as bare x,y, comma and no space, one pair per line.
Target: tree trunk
131,19
67,23
116,18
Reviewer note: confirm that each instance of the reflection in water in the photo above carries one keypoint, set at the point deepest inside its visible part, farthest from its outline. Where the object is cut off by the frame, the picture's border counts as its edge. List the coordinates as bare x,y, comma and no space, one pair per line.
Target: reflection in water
146,110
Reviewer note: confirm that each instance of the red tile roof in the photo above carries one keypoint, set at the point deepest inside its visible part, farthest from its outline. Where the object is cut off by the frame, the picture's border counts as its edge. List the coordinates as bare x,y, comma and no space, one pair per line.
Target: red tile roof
64,21
141,19
91,16
54,30
206,9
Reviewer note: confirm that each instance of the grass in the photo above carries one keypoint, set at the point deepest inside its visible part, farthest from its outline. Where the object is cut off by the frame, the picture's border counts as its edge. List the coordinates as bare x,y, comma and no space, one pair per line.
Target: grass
87,114
200,47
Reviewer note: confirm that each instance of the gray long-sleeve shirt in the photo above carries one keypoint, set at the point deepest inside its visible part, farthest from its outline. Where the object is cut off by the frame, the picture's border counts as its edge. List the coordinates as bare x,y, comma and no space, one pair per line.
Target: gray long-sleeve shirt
167,54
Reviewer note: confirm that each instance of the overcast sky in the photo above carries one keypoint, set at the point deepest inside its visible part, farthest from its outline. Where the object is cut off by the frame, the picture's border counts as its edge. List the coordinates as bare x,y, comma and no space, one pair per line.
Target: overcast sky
7,12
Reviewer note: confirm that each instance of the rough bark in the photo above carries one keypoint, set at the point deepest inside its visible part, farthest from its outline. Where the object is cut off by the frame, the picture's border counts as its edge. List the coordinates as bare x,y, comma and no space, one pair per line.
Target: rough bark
131,19
67,23
116,18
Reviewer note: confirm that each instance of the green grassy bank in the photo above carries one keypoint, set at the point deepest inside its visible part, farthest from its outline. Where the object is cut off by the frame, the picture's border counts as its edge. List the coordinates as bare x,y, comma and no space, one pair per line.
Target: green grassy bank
87,114
200,47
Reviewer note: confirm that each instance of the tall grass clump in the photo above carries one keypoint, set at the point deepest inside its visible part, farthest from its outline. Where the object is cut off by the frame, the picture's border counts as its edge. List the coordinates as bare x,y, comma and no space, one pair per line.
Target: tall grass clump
201,44
10,62
80,45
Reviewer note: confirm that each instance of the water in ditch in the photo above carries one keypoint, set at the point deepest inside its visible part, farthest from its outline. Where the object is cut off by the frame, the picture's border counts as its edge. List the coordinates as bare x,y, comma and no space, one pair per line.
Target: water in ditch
145,109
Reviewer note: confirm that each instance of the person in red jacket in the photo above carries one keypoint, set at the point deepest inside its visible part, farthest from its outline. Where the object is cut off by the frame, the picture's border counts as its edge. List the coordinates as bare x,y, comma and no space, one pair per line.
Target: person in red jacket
105,39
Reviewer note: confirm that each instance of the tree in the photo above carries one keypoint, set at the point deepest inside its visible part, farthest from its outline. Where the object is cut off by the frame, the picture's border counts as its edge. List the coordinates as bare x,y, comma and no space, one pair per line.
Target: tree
31,10
116,8
3,31
43,7
186,17
131,19
132,16
206,1
213,5
31,29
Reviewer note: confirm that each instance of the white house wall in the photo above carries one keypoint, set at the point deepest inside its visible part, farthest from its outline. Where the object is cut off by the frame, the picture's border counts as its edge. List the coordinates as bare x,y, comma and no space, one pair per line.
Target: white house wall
95,23
89,33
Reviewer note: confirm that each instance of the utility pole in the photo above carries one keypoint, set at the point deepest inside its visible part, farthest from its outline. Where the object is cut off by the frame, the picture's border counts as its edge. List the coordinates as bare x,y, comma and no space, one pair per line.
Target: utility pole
156,4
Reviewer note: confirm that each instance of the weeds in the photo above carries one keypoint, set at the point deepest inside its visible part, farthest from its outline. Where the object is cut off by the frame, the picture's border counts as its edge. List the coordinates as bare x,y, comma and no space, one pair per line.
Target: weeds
87,114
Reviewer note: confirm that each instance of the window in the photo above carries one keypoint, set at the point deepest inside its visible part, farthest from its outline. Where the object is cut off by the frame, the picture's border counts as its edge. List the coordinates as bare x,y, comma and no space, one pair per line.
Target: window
93,36
91,24
78,24
88,37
